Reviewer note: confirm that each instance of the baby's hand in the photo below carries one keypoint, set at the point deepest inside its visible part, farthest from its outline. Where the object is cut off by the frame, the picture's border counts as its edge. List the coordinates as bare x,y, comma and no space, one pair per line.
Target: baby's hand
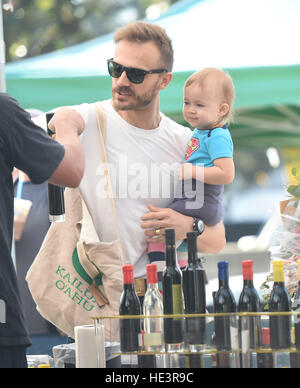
185,171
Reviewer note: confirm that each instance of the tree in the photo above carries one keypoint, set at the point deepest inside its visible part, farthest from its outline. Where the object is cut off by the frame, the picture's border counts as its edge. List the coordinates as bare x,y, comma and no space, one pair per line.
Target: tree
41,26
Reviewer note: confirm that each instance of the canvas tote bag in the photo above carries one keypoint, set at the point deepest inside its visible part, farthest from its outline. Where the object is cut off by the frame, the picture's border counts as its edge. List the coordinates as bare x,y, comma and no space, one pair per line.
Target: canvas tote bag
75,276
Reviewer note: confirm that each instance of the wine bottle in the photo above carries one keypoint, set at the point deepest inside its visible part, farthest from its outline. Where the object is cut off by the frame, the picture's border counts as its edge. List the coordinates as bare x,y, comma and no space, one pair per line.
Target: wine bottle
224,303
297,308
194,295
265,356
213,336
152,334
153,305
249,302
280,326
56,199
295,356
129,305
172,296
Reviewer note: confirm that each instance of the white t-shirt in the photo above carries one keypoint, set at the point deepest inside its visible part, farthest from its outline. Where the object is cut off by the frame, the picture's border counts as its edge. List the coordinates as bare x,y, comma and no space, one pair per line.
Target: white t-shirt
143,169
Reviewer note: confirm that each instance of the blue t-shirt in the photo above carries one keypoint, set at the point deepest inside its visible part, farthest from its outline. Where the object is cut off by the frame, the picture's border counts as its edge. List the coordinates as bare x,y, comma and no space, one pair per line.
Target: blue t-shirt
206,145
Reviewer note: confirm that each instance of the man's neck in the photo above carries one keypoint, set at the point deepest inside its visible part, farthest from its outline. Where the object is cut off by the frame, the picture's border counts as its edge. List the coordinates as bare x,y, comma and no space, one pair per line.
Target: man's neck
147,119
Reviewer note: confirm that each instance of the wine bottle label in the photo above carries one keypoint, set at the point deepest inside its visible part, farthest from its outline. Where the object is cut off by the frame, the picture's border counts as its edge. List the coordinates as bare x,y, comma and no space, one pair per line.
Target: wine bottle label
177,299
129,359
153,339
234,333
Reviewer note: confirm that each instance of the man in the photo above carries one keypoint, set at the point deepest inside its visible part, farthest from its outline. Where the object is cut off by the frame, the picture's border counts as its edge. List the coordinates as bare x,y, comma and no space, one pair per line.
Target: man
142,146
27,147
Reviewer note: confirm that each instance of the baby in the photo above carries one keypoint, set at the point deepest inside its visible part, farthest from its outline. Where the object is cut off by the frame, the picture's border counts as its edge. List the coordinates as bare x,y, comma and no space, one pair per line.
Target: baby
208,165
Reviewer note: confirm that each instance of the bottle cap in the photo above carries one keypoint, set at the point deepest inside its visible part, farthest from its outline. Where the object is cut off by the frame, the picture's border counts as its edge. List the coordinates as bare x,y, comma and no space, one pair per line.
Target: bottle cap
247,269
265,336
152,274
223,270
44,366
128,274
278,270
170,236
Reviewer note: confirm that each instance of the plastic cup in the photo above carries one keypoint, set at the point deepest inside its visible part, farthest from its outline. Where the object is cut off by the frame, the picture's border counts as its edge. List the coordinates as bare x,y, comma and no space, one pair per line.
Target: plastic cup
21,211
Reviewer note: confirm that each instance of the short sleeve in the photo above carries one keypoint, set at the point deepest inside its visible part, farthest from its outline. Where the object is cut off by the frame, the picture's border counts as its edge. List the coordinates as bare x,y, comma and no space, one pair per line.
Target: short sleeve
220,144
29,147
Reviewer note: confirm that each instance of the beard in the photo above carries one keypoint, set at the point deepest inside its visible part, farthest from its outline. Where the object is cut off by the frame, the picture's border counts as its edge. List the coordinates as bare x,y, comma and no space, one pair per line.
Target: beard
137,102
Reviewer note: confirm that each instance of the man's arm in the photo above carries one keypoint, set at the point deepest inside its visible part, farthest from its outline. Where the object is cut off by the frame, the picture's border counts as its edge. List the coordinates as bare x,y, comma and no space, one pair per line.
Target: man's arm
68,125
212,239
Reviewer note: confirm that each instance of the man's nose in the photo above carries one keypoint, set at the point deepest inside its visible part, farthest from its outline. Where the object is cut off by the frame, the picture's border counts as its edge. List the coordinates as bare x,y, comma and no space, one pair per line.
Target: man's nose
123,80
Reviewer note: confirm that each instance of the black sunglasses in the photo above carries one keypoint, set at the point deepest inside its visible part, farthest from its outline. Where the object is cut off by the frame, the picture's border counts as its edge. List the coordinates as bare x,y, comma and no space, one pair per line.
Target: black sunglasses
134,75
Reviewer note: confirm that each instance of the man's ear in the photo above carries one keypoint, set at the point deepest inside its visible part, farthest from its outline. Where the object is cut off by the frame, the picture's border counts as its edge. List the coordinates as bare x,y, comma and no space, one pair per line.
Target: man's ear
165,80
224,109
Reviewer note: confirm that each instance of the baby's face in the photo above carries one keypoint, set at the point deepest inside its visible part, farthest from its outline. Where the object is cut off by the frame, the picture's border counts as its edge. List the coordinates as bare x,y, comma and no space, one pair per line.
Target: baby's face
201,107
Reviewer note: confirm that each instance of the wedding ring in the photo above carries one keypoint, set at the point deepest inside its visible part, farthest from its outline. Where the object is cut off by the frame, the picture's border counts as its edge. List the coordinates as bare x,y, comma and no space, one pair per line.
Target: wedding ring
157,232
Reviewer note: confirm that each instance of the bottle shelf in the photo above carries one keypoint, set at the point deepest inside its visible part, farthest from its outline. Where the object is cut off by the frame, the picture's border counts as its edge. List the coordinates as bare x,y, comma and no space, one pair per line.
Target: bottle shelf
248,348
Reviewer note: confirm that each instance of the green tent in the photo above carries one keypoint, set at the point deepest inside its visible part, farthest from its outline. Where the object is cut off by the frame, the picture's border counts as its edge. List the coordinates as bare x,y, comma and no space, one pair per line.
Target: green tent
255,41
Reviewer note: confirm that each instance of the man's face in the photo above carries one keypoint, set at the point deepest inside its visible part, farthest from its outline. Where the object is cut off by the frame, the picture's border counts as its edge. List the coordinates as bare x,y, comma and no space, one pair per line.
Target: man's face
130,96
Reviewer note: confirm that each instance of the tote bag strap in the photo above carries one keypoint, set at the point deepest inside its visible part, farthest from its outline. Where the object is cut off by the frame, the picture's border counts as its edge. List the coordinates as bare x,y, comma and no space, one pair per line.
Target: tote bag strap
102,125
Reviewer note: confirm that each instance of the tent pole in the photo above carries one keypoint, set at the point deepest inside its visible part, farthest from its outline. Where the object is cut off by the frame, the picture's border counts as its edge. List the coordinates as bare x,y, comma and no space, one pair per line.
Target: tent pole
2,53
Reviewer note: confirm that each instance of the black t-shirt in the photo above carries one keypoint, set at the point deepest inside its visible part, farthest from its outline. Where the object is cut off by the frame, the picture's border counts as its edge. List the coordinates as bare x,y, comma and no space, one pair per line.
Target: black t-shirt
27,147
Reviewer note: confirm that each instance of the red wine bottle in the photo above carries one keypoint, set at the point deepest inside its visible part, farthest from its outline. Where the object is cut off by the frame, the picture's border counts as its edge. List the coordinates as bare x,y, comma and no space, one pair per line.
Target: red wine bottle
224,303
194,294
265,357
129,305
280,326
249,302
172,295
56,199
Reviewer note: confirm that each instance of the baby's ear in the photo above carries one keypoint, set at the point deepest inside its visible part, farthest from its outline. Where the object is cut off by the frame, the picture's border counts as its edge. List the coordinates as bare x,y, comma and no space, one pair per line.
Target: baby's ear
224,109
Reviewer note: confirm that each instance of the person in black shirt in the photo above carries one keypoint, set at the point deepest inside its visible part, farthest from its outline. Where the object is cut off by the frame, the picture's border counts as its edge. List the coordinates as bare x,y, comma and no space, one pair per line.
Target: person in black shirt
28,147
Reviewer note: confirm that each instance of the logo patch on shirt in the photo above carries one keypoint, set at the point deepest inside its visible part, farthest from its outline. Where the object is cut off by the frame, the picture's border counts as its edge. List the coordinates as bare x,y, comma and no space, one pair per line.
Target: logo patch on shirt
192,147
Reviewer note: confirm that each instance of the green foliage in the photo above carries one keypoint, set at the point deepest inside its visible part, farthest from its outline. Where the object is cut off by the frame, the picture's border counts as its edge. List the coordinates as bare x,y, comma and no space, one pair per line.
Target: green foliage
294,189
41,26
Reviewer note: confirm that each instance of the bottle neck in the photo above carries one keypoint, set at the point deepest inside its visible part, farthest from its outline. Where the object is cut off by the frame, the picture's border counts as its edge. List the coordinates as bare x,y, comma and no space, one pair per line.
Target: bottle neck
129,287
248,283
171,259
192,251
223,283
152,286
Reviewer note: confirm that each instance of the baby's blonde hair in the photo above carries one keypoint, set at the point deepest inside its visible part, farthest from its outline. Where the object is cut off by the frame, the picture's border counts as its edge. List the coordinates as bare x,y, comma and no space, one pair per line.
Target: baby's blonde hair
223,79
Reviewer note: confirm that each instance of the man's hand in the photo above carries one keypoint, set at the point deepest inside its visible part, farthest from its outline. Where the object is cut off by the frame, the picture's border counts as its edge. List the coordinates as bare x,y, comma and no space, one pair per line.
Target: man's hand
212,240
66,119
162,218
68,125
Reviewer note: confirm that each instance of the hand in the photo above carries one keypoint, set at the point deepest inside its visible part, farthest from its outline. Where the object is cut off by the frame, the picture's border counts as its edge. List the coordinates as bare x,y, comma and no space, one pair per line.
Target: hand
162,218
66,118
